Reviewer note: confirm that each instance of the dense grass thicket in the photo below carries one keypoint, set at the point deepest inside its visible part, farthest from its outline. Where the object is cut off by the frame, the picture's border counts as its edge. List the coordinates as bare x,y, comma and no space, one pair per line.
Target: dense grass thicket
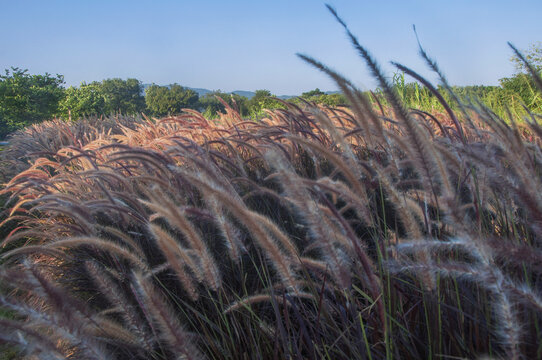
515,97
358,232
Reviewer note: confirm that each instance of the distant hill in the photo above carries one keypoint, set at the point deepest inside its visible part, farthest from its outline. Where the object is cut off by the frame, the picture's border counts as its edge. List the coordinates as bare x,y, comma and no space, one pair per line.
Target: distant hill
247,94
250,94
201,92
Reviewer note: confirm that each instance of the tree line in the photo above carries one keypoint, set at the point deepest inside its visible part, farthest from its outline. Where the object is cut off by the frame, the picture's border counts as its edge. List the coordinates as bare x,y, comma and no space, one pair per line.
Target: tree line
26,99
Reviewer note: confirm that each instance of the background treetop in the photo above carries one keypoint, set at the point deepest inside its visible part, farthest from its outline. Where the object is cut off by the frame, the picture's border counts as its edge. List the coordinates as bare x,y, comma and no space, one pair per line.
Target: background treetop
26,99
533,55
169,100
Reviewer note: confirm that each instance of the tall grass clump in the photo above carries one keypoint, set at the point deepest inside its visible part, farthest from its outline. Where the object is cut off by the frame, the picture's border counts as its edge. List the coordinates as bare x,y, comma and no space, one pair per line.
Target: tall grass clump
335,233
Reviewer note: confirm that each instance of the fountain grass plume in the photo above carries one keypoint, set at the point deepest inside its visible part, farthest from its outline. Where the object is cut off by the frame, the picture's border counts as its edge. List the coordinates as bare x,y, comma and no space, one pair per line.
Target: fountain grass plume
360,232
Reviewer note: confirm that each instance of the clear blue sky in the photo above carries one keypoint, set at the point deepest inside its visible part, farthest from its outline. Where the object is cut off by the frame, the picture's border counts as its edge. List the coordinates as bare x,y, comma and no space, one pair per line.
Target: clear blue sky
248,45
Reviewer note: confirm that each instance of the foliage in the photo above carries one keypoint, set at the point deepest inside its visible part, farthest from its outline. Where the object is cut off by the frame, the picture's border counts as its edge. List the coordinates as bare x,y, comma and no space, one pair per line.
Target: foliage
319,97
262,99
411,94
169,100
313,93
110,96
87,100
211,106
27,99
511,96
522,87
123,96
533,55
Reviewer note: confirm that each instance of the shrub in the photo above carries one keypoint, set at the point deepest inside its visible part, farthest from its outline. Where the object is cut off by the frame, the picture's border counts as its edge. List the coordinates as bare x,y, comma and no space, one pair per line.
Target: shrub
104,98
164,100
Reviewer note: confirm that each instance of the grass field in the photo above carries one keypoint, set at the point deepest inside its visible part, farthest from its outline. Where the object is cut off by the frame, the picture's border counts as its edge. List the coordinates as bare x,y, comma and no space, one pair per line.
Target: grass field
360,232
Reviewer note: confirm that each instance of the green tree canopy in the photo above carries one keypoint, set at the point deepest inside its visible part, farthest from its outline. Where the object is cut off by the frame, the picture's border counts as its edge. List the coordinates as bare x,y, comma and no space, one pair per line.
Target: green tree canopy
262,99
211,106
27,99
163,100
332,100
533,55
315,92
124,96
103,98
319,97
88,99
